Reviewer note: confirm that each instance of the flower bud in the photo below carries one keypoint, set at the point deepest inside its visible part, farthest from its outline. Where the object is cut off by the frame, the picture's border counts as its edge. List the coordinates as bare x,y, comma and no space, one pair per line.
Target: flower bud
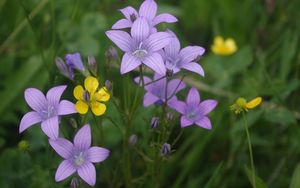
75,183
108,85
166,149
111,54
64,69
73,122
133,140
23,145
170,116
154,122
74,61
92,64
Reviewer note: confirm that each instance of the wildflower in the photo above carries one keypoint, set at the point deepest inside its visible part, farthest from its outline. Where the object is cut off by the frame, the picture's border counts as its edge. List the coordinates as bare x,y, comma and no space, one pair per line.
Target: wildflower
193,111
92,64
166,149
64,68
78,157
46,110
23,145
148,10
223,47
241,105
140,47
154,122
90,97
157,92
74,61
176,58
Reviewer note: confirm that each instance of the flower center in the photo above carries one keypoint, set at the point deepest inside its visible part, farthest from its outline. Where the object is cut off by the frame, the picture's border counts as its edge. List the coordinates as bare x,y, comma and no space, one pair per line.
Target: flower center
49,112
79,159
140,52
193,114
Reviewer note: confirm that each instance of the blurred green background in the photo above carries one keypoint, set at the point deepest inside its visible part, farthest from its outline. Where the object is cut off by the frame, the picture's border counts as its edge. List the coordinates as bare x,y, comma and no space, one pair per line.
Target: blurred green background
267,64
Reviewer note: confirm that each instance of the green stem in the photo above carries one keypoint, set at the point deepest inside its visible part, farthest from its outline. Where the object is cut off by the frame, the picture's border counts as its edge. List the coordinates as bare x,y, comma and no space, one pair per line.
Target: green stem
250,150
126,156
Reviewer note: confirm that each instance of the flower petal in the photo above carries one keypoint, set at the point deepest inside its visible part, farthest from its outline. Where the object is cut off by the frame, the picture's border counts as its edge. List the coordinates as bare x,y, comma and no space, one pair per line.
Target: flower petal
184,122
102,95
157,41
81,107
177,105
207,106
78,92
204,123
64,170
156,63
54,94
129,62
82,139
121,24
28,120
165,17
148,9
173,48
190,53
121,39
140,30
174,86
98,108
253,103
50,127
97,154
194,67
35,99
63,147
193,97
149,99
91,84
88,173
128,11
66,107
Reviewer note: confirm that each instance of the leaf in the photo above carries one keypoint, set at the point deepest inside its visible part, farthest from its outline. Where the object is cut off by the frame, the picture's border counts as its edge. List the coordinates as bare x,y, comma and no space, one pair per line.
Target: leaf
295,182
258,181
280,115
212,180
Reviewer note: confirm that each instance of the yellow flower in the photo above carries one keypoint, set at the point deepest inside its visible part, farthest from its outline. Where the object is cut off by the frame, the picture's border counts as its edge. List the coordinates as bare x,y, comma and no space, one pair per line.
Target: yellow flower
223,47
91,97
242,105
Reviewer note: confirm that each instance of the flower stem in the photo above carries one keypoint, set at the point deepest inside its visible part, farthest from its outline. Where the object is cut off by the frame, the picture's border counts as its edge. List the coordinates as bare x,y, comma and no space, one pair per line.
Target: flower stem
250,150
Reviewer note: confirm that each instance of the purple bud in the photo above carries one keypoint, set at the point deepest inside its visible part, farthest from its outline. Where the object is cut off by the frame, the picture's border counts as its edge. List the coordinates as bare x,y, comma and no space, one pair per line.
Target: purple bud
170,116
166,149
111,54
108,85
133,140
64,69
154,122
132,17
75,183
74,61
92,64
86,96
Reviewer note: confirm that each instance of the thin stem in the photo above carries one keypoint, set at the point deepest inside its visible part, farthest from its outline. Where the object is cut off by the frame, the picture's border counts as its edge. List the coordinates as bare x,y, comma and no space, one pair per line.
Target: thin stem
100,127
174,93
153,81
250,150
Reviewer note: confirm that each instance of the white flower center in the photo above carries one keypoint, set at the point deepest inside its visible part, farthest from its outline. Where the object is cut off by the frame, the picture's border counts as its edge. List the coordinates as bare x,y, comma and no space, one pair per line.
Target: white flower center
49,112
79,159
140,52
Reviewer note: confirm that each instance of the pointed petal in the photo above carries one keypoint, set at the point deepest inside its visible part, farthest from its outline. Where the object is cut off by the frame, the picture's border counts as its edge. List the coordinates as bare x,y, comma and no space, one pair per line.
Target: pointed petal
156,63
173,48
167,18
193,97
140,29
148,9
129,62
190,53
157,41
88,173
54,94
128,11
194,67
121,24
204,123
184,122
82,140
207,106
177,105
35,99
174,86
66,107
149,99
50,127
64,170
63,147
28,120
98,108
121,39
97,154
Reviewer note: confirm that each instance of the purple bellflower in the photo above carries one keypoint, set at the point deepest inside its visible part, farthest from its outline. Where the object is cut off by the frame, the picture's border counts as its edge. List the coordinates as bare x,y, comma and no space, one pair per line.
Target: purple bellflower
74,61
78,157
141,47
177,59
148,10
194,111
157,92
46,110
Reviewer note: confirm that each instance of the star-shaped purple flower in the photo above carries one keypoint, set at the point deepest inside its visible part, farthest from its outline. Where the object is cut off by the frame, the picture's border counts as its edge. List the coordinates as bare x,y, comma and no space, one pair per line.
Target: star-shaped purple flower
177,59
78,157
156,91
141,46
148,10
46,110
193,111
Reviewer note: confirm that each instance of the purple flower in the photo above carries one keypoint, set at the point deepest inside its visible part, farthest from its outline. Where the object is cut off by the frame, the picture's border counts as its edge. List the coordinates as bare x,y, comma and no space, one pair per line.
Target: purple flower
148,10
78,157
185,58
194,111
140,47
64,68
74,61
154,122
46,110
157,92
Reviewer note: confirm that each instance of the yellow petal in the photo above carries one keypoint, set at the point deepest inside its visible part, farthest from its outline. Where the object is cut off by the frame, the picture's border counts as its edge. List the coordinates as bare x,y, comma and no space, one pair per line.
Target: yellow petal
98,108
91,84
218,41
78,92
255,102
81,107
102,95
230,45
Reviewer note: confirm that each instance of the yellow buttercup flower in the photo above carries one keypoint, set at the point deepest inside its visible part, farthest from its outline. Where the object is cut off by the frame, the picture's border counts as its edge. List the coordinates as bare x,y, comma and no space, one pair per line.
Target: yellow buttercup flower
91,97
241,105
223,47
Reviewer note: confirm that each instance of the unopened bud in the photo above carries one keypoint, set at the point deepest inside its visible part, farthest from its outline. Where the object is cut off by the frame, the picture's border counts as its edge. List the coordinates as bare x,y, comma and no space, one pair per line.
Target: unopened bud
170,116
166,149
111,54
23,145
73,122
154,122
92,64
108,85
64,69
74,61
75,183
133,140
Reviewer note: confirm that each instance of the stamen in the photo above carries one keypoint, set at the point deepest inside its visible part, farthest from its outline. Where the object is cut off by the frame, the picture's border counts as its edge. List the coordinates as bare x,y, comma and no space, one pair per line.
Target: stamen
79,159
